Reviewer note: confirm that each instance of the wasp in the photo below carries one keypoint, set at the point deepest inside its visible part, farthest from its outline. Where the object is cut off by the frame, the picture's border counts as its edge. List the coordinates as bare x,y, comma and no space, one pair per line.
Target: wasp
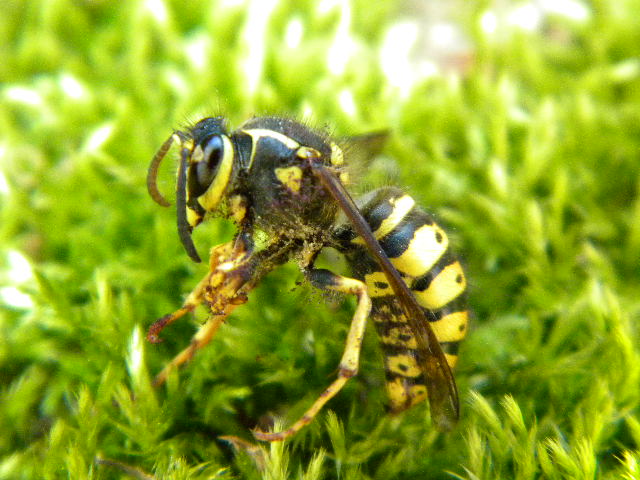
282,180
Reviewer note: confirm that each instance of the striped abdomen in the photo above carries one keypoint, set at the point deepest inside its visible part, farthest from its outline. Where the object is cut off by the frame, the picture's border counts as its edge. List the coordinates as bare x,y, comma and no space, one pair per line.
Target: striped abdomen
419,250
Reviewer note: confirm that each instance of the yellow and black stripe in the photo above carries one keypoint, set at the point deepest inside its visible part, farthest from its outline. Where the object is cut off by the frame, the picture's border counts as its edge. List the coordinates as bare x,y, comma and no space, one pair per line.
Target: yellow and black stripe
419,249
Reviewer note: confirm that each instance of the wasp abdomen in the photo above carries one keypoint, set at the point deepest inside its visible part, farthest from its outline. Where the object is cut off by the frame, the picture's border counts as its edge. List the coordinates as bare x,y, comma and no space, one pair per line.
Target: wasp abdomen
419,249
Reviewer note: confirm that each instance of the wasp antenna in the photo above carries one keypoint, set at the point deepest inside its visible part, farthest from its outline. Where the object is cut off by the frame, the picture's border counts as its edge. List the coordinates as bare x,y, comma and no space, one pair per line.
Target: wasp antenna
152,173
184,229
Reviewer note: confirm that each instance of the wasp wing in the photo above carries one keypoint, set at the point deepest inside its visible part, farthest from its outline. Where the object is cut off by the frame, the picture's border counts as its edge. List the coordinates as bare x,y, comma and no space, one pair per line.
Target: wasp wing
364,147
441,387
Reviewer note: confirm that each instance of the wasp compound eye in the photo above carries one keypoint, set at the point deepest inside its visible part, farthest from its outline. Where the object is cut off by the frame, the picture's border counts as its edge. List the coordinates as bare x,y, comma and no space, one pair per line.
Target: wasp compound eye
204,171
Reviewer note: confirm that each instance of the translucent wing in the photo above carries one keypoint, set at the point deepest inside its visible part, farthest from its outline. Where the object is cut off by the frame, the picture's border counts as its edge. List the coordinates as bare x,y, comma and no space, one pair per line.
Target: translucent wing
362,148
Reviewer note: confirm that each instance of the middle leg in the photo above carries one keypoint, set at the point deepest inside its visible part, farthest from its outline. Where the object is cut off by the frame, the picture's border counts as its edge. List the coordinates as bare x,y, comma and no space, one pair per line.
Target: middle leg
327,280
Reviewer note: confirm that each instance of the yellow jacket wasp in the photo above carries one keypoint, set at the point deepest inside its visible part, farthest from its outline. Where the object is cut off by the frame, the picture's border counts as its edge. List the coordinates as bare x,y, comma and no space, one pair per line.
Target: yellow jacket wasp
280,177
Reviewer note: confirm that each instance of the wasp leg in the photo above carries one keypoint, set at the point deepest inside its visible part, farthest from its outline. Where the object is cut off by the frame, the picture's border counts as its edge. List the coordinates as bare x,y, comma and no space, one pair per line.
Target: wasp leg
255,452
326,280
202,337
193,300
219,255
224,288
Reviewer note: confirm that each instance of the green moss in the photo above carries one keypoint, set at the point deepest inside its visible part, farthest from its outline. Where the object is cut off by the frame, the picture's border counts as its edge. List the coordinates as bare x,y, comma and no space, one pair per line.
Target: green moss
529,155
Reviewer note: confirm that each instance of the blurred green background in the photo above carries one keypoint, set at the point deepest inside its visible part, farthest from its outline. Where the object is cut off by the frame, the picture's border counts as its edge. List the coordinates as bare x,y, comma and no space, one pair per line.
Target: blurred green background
516,123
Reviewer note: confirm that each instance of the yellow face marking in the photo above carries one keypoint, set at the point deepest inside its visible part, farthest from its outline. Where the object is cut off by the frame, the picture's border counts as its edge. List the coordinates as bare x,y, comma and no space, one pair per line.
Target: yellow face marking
428,244
193,217
344,179
197,155
452,327
449,283
337,157
211,198
238,207
404,365
401,337
290,177
377,284
401,206
257,133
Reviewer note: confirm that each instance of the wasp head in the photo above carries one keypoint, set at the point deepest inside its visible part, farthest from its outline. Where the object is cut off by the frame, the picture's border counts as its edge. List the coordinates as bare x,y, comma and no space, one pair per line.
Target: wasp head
206,161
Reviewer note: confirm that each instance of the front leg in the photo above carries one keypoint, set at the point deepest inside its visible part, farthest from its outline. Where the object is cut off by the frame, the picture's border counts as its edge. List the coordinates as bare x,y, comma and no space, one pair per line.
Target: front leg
225,287
327,280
